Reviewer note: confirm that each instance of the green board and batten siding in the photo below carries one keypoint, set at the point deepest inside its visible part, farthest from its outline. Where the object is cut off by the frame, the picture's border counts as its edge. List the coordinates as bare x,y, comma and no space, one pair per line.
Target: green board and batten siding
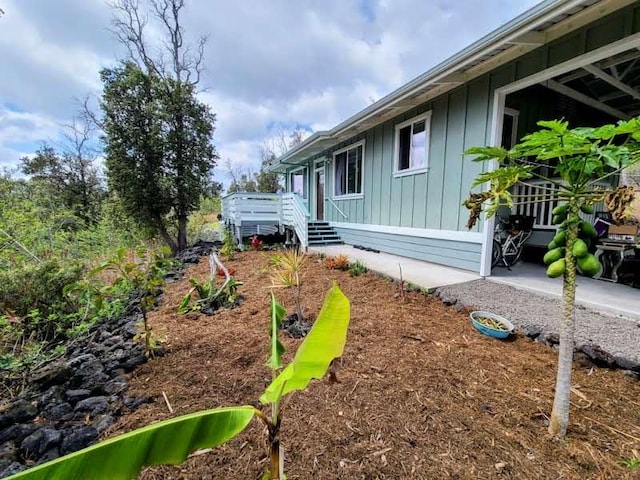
460,119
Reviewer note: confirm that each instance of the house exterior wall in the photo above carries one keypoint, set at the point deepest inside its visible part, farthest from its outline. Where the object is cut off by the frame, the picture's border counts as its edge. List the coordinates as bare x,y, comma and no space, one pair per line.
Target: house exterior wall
460,119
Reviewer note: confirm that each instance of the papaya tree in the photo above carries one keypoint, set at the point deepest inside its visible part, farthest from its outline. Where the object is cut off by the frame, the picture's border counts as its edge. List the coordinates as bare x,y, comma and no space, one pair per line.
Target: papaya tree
171,441
580,160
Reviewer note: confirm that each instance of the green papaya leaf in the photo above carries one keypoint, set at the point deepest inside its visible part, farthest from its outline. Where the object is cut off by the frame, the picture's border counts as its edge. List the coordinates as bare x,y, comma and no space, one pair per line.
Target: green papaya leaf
277,348
487,153
163,443
322,344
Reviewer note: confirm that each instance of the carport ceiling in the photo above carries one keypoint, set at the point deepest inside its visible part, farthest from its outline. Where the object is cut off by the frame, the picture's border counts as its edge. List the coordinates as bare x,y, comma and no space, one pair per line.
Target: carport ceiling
611,85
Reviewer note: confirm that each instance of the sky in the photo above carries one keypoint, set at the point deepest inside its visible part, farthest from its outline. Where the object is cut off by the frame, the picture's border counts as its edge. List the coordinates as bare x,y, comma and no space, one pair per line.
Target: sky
270,65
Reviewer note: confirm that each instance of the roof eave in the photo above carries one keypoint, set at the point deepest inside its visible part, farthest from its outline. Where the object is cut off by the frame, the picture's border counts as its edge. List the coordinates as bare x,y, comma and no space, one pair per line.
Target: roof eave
445,76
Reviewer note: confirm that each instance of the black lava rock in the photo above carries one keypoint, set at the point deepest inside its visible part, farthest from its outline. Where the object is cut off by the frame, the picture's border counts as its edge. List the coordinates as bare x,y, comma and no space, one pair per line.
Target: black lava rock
39,442
54,373
17,432
76,395
56,412
48,455
598,355
8,454
19,412
103,422
115,386
133,362
78,439
12,469
133,403
93,405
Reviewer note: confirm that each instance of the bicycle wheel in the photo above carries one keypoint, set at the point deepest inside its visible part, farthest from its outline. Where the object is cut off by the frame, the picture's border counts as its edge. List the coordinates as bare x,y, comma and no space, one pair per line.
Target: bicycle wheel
511,253
496,253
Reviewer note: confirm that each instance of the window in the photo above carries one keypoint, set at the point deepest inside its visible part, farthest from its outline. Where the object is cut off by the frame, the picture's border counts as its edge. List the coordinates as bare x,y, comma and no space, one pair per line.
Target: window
412,145
297,182
347,170
510,128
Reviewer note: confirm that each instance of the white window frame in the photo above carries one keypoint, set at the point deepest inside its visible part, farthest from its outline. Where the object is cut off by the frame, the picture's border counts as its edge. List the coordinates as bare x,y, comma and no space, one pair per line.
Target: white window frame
396,151
515,115
305,181
361,143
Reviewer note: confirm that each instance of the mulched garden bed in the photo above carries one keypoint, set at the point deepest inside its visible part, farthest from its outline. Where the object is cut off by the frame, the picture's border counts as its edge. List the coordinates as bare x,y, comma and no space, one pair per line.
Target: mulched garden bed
420,393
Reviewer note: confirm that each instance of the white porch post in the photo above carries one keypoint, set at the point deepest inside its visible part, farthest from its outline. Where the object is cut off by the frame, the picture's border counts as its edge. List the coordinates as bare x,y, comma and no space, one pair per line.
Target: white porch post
497,118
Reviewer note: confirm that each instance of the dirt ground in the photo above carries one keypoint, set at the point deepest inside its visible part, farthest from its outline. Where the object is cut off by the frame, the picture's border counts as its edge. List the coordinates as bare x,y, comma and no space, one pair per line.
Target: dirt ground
421,394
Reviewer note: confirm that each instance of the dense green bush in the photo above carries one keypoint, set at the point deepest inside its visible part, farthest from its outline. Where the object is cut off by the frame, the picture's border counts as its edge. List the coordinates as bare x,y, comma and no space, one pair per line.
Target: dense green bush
39,287
36,295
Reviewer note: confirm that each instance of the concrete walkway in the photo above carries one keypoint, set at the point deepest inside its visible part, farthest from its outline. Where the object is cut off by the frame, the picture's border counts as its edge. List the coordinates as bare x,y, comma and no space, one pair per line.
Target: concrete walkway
426,275
596,294
599,295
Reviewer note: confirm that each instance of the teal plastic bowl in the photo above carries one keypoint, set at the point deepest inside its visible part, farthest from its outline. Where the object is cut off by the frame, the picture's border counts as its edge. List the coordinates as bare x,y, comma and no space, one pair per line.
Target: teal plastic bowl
492,332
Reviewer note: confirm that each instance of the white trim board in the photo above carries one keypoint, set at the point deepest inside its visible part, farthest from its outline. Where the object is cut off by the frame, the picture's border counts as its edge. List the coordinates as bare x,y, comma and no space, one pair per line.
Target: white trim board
627,43
453,235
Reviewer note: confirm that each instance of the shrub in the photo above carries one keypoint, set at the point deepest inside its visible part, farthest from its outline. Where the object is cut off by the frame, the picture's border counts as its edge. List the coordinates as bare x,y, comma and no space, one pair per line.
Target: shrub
36,296
341,262
357,268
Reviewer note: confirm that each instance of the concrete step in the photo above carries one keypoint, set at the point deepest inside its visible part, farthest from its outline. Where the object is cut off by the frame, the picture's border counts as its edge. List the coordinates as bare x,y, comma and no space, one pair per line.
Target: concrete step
318,243
331,236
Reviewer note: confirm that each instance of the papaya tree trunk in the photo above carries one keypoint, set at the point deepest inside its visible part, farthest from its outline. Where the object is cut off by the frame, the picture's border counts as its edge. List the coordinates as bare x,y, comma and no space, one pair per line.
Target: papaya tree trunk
560,413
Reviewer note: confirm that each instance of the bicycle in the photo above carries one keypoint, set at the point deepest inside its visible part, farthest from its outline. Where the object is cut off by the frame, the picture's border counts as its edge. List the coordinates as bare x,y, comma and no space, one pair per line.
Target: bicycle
509,238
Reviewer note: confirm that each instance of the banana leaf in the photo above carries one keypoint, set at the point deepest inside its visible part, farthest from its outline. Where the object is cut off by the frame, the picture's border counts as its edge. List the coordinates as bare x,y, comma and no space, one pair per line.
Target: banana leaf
277,312
322,344
165,443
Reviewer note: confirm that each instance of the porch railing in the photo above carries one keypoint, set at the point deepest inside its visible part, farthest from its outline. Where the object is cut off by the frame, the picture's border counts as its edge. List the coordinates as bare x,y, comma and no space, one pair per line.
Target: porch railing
243,209
531,201
296,215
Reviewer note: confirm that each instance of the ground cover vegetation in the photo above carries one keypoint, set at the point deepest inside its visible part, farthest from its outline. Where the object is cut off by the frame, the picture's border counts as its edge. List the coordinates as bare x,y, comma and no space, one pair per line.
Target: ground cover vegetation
453,404
78,241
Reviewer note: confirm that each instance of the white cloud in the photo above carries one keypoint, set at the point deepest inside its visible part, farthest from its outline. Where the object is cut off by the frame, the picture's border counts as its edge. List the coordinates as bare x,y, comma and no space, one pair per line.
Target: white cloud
268,64
23,127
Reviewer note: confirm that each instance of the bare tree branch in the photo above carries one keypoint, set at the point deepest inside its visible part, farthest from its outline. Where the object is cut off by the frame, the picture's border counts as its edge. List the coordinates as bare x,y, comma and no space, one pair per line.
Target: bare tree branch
176,59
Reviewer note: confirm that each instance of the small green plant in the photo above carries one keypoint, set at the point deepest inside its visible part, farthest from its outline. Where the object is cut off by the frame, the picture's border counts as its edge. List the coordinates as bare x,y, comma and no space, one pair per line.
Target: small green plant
287,273
144,274
632,463
210,297
171,441
357,268
228,244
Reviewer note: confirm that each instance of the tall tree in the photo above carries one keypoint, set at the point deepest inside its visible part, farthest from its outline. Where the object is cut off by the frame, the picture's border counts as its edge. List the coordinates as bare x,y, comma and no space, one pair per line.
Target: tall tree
159,173
70,174
177,156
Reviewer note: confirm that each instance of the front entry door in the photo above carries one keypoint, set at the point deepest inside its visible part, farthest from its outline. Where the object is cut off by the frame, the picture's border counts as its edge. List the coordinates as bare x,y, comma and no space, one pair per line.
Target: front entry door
320,194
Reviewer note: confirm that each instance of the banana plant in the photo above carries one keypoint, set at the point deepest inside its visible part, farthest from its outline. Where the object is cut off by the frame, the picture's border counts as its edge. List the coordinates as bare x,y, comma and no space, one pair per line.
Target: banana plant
171,441
580,159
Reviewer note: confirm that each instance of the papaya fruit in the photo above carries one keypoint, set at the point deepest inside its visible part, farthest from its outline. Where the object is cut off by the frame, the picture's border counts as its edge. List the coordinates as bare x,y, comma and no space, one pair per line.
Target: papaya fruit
561,209
557,268
589,265
588,209
580,248
560,238
558,219
553,255
587,229
552,245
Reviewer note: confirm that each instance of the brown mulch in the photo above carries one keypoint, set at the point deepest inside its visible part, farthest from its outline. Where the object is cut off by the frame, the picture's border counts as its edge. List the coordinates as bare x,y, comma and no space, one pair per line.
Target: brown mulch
420,393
